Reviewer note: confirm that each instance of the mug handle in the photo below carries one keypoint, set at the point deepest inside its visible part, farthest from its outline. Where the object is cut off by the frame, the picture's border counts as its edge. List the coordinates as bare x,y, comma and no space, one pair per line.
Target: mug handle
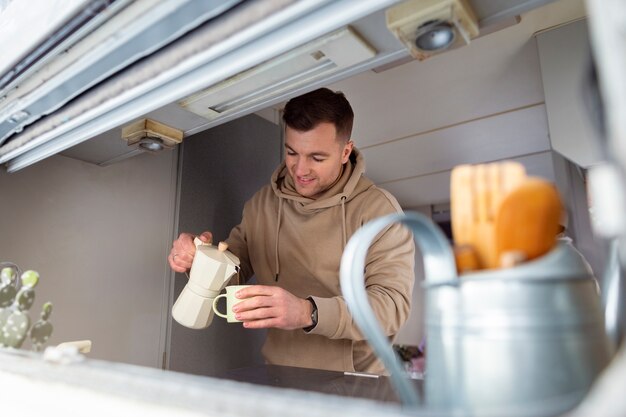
215,306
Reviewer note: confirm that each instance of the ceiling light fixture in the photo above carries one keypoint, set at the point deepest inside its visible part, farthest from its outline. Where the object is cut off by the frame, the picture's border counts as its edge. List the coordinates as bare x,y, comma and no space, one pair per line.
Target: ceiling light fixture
150,135
429,27
434,35
151,144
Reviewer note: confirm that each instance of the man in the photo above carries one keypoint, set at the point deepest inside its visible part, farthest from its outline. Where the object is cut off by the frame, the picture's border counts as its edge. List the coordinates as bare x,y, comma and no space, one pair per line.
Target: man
291,238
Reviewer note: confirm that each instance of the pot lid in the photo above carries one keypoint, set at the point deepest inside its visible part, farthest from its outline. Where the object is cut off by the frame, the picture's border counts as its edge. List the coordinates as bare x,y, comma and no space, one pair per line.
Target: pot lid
219,253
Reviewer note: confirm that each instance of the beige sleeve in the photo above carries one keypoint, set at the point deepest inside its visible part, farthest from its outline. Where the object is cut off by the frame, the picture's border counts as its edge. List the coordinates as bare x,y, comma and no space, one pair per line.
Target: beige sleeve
389,280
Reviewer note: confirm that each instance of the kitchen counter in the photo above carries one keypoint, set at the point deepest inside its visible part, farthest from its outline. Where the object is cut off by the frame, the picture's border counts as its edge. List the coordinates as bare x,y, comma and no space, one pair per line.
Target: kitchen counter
315,380
30,383
33,386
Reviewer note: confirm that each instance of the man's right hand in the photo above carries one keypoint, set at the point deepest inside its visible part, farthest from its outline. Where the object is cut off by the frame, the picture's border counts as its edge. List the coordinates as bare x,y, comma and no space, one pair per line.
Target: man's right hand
183,251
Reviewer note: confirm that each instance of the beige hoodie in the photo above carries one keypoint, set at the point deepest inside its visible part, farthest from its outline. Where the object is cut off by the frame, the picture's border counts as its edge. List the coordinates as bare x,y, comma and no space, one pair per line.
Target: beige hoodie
296,243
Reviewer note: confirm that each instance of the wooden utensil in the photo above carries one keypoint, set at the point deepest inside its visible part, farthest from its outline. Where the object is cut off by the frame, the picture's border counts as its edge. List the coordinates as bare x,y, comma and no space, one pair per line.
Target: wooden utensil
465,258
527,220
476,193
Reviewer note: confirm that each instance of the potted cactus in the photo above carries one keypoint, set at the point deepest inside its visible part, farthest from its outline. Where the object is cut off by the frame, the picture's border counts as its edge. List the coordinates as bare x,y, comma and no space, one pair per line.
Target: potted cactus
16,299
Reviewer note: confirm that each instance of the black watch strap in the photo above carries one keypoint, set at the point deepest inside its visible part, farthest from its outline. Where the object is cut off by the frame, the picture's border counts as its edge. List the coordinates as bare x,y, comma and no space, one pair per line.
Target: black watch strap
313,316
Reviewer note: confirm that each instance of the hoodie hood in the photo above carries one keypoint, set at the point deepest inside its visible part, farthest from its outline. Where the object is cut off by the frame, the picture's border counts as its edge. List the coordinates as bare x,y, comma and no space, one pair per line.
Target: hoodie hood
350,183
344,189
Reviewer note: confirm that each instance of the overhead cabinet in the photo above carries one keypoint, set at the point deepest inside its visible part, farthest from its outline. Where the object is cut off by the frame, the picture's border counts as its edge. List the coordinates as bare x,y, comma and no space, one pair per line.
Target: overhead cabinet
565,59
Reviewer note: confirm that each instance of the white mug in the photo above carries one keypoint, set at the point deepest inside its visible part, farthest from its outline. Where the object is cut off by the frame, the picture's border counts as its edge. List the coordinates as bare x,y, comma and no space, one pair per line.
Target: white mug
231,300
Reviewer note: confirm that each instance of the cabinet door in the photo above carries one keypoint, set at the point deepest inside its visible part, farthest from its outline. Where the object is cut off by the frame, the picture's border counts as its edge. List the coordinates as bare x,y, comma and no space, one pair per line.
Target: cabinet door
565,56
221,169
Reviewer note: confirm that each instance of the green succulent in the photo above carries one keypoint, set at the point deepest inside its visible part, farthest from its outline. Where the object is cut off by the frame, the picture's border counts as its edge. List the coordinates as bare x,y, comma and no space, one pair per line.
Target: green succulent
30,279
42,329
15,323
7,275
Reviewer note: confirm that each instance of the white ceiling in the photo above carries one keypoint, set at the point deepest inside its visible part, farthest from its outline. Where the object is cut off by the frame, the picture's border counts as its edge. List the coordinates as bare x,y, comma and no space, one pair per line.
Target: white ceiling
415,121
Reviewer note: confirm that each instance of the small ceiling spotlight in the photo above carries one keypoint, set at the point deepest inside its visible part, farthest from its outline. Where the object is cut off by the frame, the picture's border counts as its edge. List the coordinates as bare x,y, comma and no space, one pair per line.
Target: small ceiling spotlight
152,136
430,27
434,35
151,144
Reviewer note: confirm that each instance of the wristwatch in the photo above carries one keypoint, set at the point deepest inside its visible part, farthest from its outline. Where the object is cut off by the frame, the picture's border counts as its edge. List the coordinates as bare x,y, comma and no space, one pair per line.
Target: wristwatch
313,316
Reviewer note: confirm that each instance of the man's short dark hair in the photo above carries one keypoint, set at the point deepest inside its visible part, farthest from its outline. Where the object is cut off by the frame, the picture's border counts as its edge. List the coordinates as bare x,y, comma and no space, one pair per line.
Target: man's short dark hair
305,112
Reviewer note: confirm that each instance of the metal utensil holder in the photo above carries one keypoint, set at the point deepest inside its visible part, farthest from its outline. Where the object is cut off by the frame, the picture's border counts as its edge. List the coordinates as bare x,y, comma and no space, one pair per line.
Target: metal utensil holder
528,339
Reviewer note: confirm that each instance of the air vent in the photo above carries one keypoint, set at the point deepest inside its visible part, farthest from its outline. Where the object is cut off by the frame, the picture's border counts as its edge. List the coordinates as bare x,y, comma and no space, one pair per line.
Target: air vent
297,68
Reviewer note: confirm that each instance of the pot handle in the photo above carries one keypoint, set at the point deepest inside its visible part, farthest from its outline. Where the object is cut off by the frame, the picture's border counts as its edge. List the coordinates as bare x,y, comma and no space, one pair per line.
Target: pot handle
439,267
613,296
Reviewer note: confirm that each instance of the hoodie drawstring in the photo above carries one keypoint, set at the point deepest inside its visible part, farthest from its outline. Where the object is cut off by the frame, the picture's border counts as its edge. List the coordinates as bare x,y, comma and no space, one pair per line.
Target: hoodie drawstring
343,220
280,210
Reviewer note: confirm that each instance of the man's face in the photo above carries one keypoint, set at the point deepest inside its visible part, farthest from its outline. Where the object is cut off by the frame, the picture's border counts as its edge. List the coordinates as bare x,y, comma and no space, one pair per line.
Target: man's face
314,158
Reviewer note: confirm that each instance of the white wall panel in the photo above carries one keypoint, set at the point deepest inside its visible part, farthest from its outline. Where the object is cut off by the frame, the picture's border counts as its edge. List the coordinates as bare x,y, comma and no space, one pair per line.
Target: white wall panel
99,238
422,190
503,136
495,73
435,188
565,60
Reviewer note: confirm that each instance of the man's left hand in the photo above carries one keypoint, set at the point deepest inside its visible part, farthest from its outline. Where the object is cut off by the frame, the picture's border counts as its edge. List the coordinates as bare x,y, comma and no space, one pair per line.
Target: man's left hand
263,306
